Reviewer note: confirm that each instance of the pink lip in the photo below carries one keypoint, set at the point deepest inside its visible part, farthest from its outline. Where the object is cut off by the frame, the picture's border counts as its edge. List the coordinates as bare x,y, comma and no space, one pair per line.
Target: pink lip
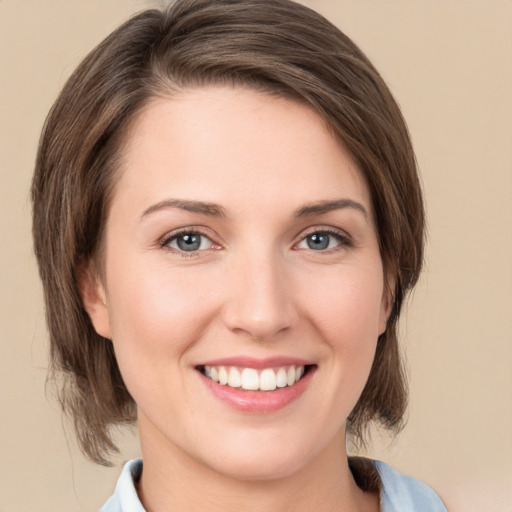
257,402
257,364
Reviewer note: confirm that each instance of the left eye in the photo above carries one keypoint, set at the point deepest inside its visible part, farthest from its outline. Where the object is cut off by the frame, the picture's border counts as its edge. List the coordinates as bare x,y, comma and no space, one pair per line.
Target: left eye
189,242
320,241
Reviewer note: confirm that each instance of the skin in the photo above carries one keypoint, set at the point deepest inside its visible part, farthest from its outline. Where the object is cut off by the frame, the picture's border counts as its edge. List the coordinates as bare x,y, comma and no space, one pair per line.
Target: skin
255,288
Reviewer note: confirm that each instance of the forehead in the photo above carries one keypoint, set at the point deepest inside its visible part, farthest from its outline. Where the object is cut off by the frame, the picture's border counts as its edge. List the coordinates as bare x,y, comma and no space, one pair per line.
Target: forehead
216,143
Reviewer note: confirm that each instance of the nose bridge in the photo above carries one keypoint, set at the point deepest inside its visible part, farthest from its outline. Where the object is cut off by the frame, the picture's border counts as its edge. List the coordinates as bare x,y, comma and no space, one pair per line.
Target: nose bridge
260,303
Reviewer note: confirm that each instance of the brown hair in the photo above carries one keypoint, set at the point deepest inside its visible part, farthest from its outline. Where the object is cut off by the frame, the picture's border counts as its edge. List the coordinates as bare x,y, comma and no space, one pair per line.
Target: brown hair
276,46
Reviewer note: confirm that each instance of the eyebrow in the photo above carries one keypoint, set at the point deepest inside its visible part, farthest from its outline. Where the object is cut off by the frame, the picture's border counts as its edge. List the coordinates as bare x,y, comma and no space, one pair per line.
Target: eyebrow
215,210
211,209
321,207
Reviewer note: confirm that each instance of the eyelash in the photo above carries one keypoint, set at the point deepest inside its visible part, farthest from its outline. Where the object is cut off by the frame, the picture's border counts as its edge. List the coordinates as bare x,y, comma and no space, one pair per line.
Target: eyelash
344,241
168,239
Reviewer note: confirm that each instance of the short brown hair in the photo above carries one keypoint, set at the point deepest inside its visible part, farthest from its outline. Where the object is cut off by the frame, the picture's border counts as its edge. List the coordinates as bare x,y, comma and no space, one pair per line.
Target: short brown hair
275,46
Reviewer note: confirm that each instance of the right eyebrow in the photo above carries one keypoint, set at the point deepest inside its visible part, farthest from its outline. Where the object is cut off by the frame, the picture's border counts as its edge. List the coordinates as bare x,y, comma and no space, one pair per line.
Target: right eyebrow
204,208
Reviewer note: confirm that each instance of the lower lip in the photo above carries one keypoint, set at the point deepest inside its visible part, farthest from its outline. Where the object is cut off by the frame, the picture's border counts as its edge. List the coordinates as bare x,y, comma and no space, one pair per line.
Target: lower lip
259,402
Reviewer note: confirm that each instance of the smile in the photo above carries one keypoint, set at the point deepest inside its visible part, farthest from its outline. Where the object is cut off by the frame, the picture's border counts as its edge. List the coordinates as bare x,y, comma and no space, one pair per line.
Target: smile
251,379
257,386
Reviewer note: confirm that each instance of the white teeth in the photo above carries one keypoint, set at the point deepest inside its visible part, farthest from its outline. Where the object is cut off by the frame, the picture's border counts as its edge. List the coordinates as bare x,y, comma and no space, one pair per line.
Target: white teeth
290,376
234,380
214,374
251,379
223,376
268,380
281,378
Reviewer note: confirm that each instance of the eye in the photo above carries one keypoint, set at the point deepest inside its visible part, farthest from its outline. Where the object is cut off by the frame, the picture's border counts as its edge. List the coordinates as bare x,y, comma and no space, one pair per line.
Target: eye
323,240
189,241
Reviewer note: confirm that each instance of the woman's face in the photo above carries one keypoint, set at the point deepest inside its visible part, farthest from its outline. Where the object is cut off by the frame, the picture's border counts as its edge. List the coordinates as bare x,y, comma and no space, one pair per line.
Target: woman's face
240,247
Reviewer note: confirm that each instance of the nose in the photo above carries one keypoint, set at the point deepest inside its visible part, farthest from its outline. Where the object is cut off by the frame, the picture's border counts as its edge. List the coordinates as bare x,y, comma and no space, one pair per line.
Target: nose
260,303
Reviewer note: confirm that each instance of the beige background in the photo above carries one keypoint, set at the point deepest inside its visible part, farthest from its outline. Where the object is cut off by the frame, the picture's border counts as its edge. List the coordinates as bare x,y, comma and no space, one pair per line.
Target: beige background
449,64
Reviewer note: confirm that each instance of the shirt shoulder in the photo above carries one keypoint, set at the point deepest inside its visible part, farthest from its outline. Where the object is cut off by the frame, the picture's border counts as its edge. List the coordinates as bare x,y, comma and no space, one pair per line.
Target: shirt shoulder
401,493
125,497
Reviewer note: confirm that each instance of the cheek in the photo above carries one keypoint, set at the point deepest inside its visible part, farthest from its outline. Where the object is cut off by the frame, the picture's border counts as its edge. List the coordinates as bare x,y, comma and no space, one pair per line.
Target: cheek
347,305
346,309
156,314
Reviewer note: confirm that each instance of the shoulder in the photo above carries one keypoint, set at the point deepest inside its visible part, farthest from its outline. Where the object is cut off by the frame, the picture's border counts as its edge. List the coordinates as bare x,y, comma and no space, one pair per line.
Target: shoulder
125,497
401,493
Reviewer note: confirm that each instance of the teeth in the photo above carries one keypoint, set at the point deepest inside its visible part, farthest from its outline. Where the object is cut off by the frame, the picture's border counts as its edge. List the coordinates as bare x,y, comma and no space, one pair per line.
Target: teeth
281,378
223,375
235,379
290,376
268,380
250,379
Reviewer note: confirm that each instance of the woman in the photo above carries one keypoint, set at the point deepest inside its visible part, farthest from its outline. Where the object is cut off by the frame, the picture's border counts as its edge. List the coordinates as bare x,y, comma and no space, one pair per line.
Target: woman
227,219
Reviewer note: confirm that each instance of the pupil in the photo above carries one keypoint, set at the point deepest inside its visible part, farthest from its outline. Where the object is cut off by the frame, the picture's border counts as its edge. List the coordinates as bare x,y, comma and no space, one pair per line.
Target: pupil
189,242
318,241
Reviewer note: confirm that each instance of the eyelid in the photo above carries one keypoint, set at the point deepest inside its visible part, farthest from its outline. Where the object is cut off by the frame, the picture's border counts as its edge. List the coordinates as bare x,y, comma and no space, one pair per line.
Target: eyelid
192,230
344,238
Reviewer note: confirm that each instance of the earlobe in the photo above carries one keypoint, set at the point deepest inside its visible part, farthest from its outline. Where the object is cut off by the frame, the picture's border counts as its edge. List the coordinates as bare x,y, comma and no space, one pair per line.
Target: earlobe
94,298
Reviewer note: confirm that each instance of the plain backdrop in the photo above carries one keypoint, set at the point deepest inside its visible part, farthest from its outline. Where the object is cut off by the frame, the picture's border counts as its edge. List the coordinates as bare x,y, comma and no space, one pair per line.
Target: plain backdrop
449,64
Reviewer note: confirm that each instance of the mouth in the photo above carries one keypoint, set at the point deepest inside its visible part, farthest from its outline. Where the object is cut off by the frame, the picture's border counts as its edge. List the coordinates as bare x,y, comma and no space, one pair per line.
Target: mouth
256,379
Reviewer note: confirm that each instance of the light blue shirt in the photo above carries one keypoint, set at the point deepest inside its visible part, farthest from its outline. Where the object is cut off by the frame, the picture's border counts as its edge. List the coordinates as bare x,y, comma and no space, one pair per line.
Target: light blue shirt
399,493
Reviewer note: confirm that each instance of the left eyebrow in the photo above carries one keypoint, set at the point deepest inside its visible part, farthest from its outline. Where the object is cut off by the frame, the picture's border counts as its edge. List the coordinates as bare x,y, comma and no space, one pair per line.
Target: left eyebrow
321,207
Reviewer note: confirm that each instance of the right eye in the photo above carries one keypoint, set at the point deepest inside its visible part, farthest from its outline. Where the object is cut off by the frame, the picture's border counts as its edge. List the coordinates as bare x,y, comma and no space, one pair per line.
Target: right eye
188,241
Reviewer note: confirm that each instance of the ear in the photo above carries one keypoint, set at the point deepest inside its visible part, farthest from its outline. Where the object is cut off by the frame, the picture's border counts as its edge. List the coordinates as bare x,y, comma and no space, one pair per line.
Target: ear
94,298
386,305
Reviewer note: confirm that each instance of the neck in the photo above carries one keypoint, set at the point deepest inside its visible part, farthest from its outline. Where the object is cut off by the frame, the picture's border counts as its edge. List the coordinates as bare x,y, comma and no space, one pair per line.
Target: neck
172,480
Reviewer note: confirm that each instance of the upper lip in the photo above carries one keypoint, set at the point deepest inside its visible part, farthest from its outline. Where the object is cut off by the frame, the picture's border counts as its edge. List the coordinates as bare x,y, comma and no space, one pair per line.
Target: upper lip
257,363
